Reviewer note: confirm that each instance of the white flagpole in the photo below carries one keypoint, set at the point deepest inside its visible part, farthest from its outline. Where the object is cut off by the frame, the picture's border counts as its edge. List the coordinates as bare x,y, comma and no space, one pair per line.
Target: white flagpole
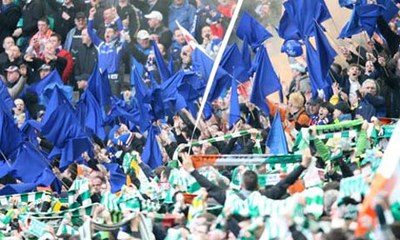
217,61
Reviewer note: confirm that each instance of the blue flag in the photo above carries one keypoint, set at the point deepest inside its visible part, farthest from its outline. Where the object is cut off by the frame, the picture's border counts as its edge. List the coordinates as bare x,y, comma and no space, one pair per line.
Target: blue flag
173,101
390,9
39,86
90,115
151,153
48,179
122,113
117,177
29,130
299,16
363,18
276,140
232,62
99,86
265,82
202,64
10,135
234,113
4,168
17,188
171,67
5,96
143,98
28,164
246,54
319,60
162,68
255,33
62,128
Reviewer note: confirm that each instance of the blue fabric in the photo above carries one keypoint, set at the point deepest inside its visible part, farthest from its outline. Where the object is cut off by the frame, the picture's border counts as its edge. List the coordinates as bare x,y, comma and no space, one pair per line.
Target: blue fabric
234,113
90,115
202,64
390,9
17,188
39,86
62,128
255,33
246,55
299,17
276,140
319,60
162,68
28,163
363,18
151,153
4,168
10,135
142,96
117,177
172,100
5,96
99,86
265,82
232,62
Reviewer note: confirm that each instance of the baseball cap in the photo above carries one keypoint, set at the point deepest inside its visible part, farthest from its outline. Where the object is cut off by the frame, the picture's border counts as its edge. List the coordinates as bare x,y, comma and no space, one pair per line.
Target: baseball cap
45,67
155,14
12,68
80,15
143,34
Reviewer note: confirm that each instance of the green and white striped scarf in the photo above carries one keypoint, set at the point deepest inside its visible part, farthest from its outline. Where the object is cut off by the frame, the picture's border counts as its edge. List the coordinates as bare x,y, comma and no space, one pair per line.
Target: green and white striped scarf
21,198
79,189
354,184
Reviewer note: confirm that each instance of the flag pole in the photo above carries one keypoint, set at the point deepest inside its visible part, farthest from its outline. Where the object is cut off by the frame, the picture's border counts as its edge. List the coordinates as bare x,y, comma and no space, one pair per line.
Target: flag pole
217,62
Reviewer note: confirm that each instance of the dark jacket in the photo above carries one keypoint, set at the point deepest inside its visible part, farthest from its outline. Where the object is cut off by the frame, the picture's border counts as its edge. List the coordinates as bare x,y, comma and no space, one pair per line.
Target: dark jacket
164,34
129,11
9,16
85,60
31,13
275,192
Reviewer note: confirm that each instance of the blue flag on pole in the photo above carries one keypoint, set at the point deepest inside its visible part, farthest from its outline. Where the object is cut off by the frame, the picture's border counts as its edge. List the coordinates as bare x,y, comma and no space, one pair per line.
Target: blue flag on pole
90,115
117,177
246,54
62,128
265,82
363,18
10,135
99,86
276,140
28,164
202,64
5,96
319,60
162,68
234,113
255,33
151,153
143,98
232,62
39,86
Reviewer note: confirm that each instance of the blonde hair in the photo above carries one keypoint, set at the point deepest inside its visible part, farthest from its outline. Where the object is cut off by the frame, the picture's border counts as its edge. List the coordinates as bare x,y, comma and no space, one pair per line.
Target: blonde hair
296,99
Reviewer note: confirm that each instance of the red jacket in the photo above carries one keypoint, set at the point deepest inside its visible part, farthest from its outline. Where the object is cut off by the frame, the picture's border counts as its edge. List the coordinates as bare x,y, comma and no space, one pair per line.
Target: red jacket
66,74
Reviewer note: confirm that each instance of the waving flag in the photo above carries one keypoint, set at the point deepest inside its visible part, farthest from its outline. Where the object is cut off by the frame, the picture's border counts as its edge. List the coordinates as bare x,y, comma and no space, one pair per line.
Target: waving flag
5,96
39,86
151,153
162,68
276,140
298,19
202,64
265,82
90,115
254,32
319,60
234,112
142,98
232,62
246,55
10,135
99,86
363,18
117,176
